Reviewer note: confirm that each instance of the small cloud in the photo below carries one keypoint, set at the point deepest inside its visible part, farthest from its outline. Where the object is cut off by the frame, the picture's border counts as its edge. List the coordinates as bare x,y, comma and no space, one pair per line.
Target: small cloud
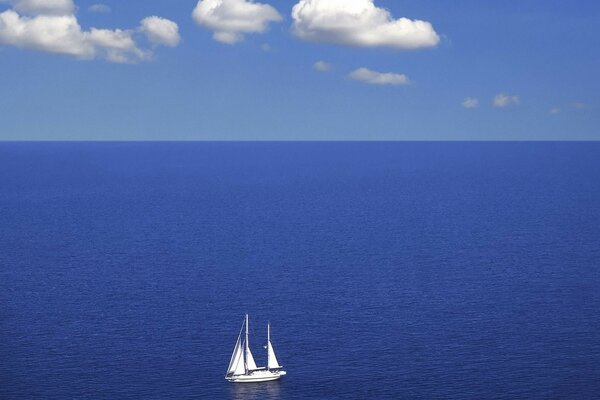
554,110
322,66
230,20
378,78
160,31
505,100
470,102
99,8
359,23
579,105
266,47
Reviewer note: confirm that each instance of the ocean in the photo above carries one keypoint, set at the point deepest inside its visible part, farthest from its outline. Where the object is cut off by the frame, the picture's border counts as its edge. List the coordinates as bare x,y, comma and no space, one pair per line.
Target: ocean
388,270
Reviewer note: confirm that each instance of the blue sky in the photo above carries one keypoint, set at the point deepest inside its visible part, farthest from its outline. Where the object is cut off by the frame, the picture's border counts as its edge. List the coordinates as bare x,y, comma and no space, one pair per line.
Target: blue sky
473,70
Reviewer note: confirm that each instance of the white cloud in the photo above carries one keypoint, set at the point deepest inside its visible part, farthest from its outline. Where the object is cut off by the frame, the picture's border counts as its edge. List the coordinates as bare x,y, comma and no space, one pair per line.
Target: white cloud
470,102
230,20
554,110
51,30
116,46
505,100
378,78
46,7
99,8
359,23
580,105
322,66
52,33
161,31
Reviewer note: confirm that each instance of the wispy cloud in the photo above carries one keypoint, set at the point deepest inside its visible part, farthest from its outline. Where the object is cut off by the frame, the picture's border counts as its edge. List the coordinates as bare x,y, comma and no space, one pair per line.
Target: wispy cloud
554,110
99,8
470,102
42,7
322,66
378,78
359,23
503,100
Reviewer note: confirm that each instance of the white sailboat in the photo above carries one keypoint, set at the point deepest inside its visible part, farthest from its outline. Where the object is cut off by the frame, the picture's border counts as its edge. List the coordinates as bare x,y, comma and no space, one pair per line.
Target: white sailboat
242,367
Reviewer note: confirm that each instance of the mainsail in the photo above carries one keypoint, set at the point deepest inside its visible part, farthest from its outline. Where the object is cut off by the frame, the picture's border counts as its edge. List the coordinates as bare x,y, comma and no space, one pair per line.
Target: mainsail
250,364
250,359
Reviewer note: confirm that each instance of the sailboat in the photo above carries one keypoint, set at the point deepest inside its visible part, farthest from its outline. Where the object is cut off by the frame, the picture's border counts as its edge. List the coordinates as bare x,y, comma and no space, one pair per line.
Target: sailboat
242,367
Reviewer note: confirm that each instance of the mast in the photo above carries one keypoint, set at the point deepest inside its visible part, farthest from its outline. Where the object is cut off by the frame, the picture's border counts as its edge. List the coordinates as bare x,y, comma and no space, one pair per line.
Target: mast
268,342
249,362
247,348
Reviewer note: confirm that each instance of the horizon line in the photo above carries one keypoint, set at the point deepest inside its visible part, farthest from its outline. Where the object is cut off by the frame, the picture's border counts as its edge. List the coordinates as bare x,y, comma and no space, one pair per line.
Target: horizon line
293,140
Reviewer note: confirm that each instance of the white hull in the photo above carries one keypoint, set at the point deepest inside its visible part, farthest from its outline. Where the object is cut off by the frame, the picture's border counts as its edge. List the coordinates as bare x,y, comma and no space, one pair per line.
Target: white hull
257,376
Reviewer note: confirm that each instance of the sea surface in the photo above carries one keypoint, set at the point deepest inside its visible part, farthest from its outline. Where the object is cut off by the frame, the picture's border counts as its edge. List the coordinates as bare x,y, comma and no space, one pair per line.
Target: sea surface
387,270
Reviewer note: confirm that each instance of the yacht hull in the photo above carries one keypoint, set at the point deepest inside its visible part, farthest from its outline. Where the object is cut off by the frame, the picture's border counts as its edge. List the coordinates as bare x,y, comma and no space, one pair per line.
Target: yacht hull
257,376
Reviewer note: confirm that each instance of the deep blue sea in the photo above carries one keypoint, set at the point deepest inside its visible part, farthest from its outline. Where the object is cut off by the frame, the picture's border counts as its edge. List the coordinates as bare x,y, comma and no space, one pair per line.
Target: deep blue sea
387,270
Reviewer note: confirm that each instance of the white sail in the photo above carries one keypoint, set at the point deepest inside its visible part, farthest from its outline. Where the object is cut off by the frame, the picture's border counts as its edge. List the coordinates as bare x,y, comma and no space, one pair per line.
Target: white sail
250,364
236,366
250,360
272,362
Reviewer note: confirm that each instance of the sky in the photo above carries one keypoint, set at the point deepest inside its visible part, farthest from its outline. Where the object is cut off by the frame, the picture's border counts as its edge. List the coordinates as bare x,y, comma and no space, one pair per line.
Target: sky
299,70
